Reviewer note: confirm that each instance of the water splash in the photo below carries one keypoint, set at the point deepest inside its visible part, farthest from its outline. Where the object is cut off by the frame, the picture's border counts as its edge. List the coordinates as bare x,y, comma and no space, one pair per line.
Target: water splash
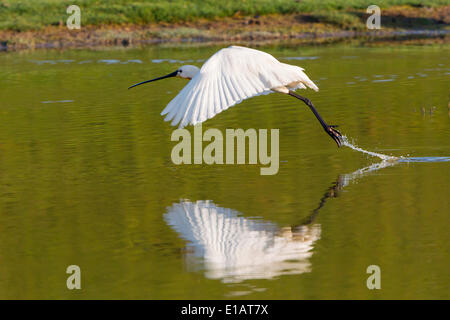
383,157
390,159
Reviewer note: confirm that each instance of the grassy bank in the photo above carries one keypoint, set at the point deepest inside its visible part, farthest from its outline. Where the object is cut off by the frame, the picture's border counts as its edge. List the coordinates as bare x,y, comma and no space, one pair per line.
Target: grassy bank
41,23
20,15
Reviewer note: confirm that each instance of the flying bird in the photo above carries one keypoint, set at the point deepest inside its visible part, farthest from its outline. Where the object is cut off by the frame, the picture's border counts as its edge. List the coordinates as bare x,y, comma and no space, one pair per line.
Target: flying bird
230,76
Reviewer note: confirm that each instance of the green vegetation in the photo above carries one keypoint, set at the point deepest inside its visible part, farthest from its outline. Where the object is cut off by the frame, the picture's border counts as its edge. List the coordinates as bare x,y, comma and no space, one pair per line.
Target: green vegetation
341,19
35,14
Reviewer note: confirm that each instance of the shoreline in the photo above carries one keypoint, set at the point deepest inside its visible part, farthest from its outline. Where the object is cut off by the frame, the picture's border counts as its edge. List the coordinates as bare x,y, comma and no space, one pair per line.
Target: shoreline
413,37
398,24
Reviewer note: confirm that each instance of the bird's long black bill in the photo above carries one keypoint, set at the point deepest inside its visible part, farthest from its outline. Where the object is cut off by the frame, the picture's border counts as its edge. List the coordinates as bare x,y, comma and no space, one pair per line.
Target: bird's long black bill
173,74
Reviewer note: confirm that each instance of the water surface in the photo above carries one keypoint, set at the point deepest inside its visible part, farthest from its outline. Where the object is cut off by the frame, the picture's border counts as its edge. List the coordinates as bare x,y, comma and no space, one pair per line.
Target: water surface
86,178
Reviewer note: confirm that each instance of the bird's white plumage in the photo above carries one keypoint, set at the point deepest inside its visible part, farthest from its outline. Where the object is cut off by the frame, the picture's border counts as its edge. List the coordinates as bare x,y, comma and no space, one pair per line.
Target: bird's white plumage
229,76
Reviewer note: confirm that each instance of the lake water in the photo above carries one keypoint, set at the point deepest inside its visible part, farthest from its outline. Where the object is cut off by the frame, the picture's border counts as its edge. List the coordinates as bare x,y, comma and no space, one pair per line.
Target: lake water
86,179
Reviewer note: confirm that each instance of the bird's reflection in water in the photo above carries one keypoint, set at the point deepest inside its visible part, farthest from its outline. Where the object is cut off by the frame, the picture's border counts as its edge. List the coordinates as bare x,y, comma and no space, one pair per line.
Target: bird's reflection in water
234,248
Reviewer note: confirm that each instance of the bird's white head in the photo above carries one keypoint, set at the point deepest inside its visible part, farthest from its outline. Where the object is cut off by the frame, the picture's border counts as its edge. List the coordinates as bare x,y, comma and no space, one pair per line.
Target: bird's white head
185,72
188,71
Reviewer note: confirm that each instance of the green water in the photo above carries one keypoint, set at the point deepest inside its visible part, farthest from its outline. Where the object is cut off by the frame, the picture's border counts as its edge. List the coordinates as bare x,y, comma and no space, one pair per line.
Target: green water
86,179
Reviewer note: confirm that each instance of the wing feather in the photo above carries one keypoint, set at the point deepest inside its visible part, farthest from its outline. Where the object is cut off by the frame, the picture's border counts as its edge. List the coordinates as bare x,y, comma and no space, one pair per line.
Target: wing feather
216,98
237,88
191,108
182,98
222,96
231,91
192,100
230,76
201,112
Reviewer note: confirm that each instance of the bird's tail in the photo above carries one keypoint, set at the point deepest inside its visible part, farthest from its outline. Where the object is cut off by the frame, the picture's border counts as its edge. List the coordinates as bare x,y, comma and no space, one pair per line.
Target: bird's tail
308,82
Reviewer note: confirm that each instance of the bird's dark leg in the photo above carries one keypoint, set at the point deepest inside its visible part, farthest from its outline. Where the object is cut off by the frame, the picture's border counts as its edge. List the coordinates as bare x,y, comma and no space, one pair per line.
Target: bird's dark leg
329,129
332,192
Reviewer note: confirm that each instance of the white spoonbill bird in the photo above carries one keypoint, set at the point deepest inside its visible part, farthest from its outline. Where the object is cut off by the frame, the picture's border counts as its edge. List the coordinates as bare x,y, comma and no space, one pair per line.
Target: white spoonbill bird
230,76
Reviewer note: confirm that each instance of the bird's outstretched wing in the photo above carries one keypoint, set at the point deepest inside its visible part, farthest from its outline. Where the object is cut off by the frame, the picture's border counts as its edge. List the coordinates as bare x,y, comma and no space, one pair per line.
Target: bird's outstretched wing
231,75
